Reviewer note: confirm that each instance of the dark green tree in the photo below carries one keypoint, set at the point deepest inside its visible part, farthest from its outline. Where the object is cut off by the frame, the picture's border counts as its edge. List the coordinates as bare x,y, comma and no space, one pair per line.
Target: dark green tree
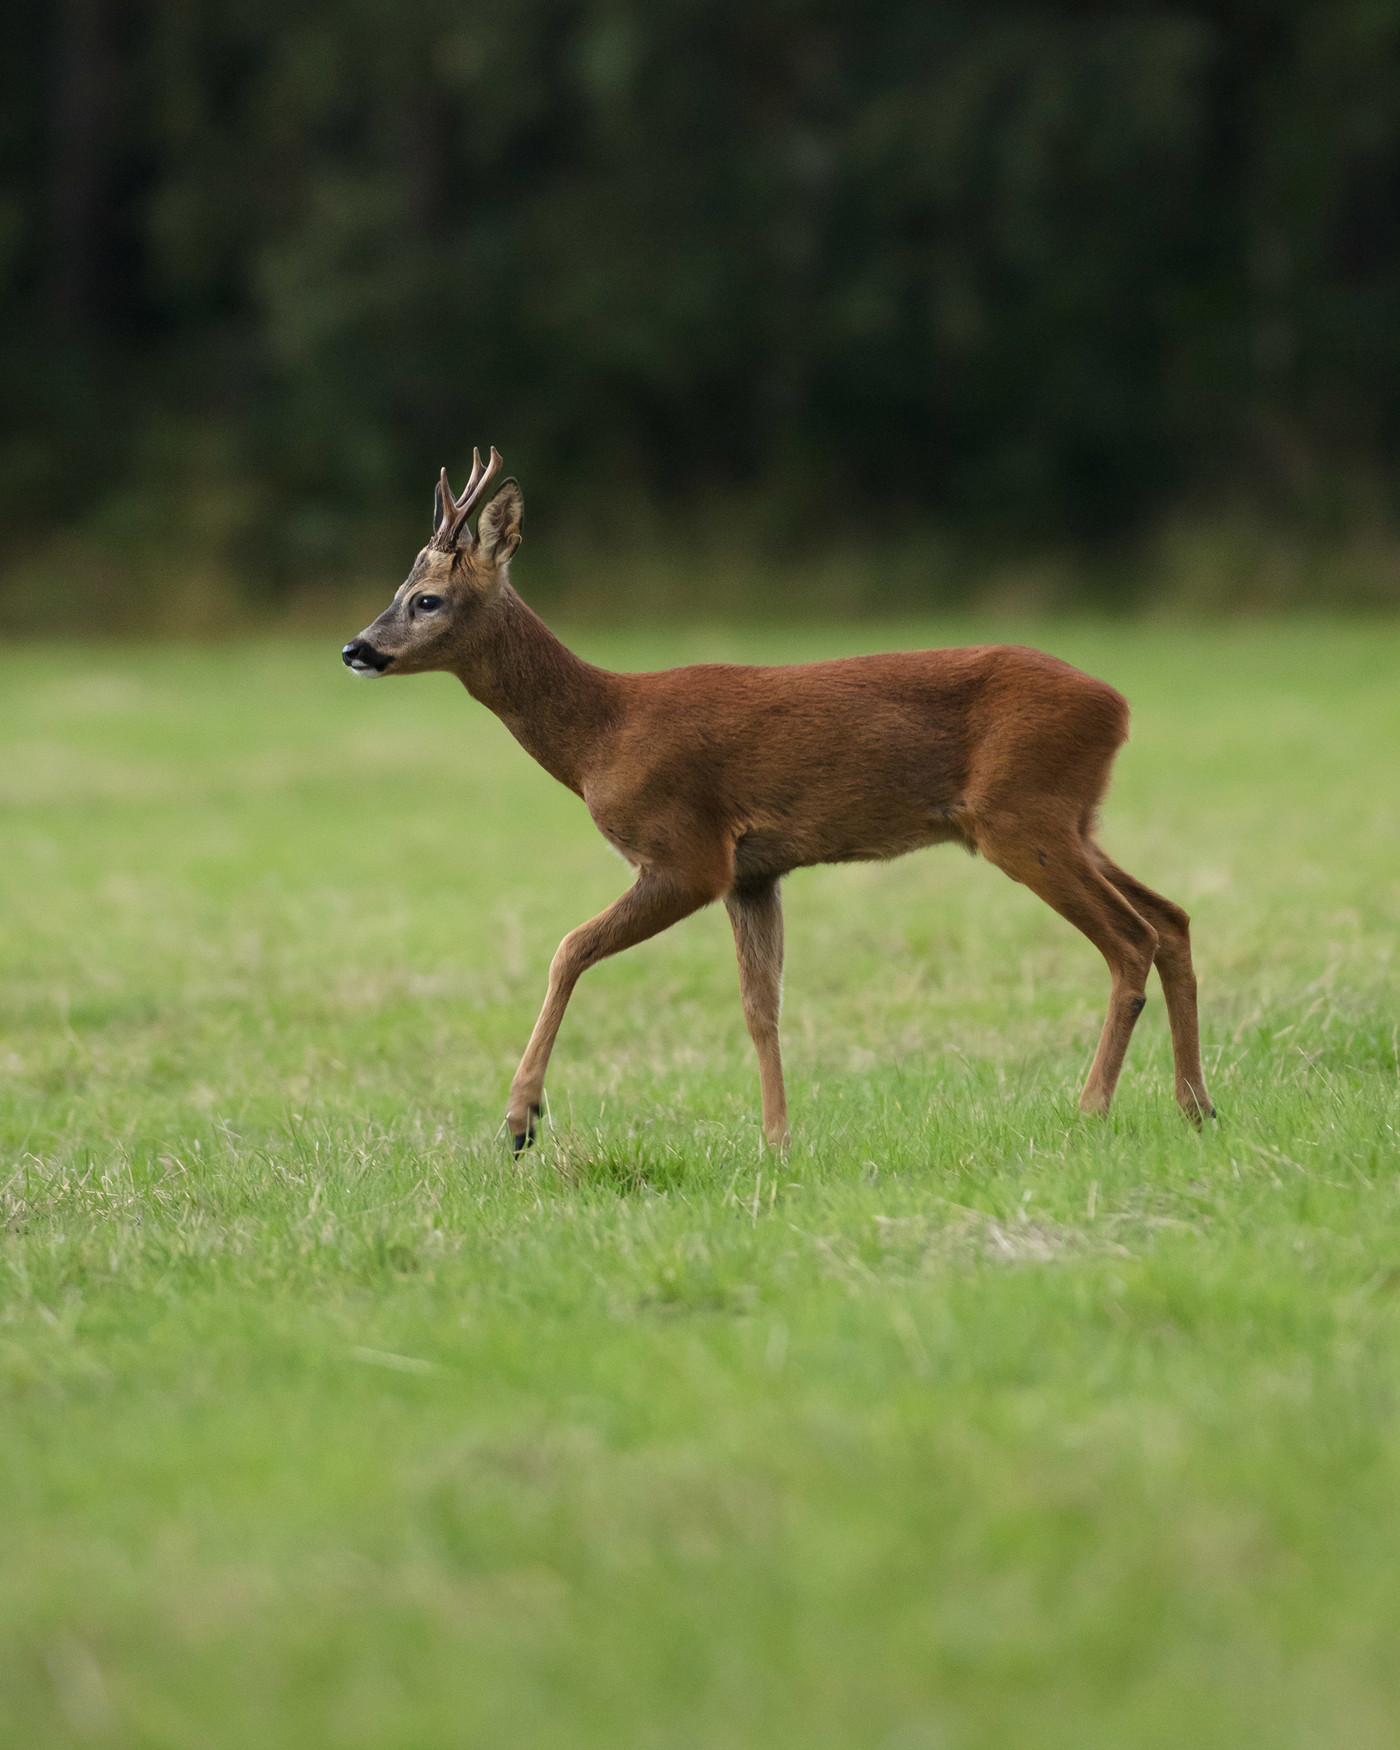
1030,271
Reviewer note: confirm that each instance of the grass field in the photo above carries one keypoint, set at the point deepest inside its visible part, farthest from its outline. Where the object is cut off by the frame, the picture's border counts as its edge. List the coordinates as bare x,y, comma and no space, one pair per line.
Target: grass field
973,1423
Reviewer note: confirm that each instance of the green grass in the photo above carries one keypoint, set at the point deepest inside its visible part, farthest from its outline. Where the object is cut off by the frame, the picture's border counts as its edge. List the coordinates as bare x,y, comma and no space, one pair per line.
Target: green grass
974,1423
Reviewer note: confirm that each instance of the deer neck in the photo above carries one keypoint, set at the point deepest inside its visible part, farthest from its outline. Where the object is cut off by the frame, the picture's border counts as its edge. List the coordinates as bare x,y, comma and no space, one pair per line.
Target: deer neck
556,705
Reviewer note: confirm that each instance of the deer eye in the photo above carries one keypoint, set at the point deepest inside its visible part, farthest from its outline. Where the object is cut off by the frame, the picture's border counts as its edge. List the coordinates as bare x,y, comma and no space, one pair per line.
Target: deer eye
428,604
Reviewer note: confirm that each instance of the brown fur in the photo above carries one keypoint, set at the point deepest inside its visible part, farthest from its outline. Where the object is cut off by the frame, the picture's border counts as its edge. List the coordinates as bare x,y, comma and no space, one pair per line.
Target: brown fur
714,781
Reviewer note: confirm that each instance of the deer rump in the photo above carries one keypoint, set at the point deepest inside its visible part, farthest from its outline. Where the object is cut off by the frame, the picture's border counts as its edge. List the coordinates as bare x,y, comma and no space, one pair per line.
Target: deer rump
859,759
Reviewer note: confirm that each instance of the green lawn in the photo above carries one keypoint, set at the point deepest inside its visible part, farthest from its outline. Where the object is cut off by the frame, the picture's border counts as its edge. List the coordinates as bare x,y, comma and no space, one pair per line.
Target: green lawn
973,1423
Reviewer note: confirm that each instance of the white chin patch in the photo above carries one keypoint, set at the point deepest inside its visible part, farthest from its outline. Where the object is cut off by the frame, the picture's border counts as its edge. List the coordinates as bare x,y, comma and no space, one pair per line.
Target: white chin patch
367,671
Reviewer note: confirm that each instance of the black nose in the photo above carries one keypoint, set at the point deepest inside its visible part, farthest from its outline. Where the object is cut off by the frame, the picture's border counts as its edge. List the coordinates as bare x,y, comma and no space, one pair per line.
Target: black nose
359,655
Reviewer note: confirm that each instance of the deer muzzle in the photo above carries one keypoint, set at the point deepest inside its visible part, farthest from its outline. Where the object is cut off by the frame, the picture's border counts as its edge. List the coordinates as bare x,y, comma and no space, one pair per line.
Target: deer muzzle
362,658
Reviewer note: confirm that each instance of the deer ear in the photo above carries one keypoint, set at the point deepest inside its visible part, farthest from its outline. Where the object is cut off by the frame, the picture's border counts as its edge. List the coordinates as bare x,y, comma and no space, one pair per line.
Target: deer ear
499,528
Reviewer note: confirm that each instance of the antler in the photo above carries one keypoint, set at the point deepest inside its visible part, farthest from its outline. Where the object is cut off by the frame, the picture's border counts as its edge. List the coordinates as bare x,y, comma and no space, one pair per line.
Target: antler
456,510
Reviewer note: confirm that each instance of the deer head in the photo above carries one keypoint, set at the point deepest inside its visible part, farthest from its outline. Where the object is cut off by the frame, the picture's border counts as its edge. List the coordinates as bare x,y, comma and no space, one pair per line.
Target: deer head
454,580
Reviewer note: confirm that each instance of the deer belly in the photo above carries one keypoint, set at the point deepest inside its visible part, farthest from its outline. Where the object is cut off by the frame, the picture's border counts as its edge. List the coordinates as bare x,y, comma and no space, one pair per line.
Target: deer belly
887,839
857,834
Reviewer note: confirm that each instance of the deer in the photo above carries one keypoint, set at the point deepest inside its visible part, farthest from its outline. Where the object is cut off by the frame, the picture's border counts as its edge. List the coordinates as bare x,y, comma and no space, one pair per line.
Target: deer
716,780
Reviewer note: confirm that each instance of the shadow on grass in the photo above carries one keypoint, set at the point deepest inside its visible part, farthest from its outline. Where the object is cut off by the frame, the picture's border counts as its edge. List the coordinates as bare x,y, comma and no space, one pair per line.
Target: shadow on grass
635,1161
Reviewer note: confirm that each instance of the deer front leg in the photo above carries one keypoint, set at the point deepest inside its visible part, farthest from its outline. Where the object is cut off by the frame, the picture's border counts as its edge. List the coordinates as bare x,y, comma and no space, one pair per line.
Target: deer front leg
757,916
659,899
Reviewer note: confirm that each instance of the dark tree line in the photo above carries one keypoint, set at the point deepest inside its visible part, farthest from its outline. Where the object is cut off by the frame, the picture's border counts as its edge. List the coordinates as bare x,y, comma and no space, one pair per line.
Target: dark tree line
1036,271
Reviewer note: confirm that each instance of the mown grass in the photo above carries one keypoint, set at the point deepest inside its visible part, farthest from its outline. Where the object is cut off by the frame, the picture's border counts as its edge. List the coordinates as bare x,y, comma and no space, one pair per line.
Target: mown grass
974,1423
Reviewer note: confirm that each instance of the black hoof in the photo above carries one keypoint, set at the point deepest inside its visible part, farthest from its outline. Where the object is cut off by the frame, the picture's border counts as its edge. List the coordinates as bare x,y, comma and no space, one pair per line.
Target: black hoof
520,1141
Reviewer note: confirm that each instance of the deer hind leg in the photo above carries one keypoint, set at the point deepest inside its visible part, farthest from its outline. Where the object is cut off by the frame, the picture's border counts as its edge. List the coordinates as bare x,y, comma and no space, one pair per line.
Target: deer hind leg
659,899
1056,865
1178,977
756,913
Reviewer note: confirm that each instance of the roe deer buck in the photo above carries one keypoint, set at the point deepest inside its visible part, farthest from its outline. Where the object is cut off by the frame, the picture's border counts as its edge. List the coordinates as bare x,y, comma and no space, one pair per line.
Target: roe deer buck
715,781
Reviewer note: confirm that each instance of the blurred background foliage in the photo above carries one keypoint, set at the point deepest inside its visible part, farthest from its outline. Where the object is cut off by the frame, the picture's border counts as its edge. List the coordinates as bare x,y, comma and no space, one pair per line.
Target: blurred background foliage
910,298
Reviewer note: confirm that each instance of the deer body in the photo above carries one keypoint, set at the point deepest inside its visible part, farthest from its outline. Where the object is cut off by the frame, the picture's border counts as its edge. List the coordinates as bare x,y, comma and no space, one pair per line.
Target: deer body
714,781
